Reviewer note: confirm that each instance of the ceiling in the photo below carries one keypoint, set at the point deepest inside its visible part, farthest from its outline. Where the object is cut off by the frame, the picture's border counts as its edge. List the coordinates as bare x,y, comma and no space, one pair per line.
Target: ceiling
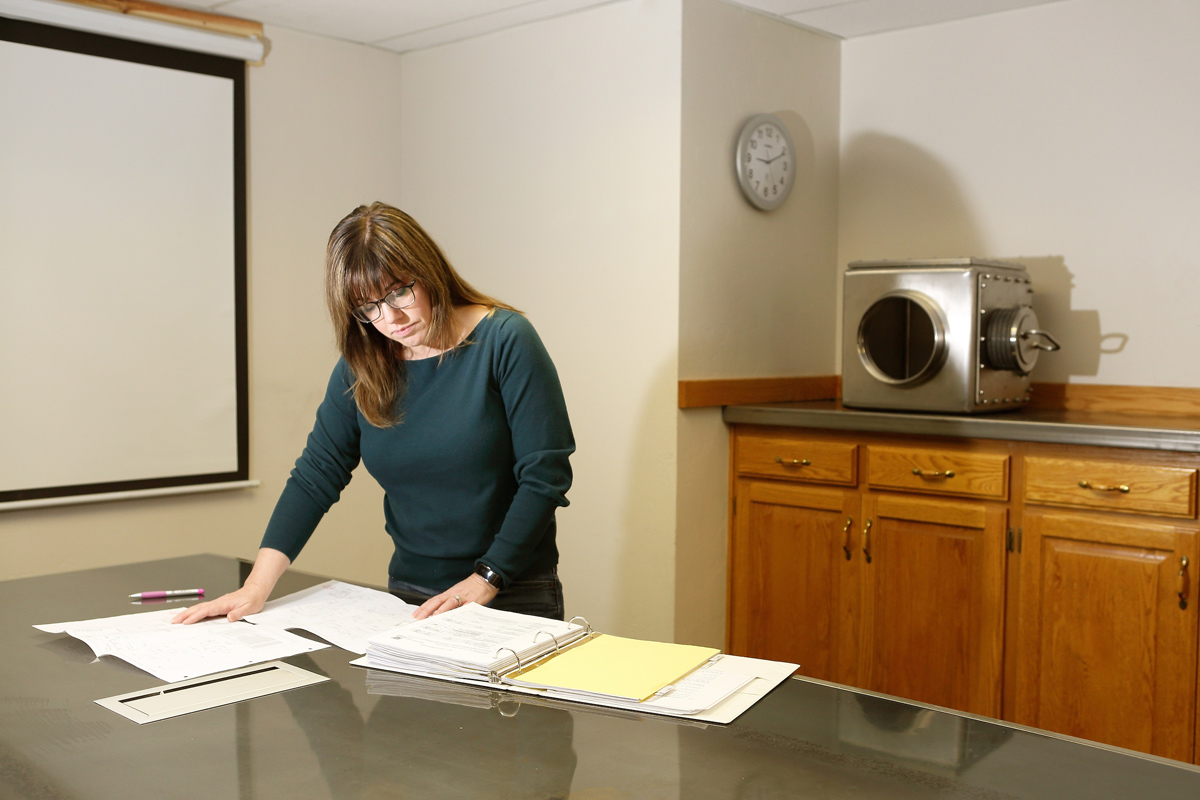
402,25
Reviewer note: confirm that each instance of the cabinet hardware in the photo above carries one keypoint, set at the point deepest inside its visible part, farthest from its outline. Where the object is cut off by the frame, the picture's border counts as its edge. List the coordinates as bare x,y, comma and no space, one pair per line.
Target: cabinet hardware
947,474
792,462
846,533
867,541
1182,591
1099,487
1009,541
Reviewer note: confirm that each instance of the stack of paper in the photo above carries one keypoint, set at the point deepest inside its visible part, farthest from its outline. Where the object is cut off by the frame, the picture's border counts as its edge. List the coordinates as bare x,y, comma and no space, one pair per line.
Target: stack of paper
342,614
177,652
473,643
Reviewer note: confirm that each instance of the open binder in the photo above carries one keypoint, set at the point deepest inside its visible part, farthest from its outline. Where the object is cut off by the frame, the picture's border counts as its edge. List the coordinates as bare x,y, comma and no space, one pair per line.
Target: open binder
570,661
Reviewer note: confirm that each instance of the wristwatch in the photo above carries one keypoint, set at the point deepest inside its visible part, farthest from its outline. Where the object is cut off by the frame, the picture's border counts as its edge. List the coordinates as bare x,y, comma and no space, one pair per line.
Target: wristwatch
490,575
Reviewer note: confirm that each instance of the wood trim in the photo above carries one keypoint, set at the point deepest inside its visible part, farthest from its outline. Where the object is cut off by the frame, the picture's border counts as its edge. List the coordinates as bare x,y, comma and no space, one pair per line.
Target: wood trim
1141,400
218,23
739,391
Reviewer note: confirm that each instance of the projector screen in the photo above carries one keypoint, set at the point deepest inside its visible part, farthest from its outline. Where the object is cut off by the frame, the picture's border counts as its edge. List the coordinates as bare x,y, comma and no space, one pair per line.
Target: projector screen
122,266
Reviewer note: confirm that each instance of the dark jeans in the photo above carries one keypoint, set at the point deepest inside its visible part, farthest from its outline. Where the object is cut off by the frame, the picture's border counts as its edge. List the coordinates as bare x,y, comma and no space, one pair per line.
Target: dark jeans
538,595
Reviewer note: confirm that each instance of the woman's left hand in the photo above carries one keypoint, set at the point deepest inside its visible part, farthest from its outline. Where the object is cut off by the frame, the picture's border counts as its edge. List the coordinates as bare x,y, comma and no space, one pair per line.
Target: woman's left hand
472,590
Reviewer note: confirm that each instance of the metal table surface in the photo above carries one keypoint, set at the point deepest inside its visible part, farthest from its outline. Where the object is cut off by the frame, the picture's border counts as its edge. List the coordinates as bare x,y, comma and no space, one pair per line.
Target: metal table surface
1104,429
371,735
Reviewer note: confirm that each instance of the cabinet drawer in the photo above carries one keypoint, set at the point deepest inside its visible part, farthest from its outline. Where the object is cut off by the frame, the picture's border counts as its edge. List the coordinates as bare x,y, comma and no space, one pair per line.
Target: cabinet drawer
1111,486
797,459
940,471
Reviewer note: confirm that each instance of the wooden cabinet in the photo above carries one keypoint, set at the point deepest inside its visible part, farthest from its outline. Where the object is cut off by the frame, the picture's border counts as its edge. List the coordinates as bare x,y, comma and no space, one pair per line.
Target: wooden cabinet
793,588
898,593
1050,585
933,601
1107,645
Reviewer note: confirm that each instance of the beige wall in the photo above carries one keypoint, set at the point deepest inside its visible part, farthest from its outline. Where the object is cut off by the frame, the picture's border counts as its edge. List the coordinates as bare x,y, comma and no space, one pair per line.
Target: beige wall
563,170
756,290
1062,135
545,160
309,164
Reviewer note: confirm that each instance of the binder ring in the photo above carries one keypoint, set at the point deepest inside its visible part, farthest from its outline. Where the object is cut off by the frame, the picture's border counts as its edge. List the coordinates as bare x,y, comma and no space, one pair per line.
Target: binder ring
552,638
498,704
587,625
520,666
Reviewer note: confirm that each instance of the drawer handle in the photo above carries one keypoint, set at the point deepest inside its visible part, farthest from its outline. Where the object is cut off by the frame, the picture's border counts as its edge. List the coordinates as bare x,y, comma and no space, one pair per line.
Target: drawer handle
1182,591
846,533
947,474
1099,487
792,462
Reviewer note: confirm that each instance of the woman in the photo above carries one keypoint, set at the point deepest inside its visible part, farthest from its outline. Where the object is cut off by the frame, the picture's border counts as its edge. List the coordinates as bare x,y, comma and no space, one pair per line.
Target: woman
454,406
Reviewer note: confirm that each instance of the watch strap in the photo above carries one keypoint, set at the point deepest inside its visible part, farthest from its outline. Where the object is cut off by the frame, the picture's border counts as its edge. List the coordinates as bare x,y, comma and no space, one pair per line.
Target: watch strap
490,575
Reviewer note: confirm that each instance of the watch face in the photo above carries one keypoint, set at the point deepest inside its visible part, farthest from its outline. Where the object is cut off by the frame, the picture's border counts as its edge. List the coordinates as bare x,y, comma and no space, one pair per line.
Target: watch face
766,164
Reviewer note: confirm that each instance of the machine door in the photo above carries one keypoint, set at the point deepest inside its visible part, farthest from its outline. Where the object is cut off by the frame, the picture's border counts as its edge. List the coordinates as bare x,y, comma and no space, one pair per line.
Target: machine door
902,338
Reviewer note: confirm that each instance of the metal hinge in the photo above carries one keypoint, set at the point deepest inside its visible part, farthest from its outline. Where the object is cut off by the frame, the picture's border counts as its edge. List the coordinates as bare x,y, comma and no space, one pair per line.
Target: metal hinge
1013,542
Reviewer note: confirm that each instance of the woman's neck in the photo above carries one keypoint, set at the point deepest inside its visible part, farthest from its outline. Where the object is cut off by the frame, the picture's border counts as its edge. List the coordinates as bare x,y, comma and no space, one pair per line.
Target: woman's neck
463,320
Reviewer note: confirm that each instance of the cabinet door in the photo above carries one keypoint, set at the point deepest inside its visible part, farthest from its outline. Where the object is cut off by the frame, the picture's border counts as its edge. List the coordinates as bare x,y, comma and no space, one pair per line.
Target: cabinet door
1105,650
788,577
933,601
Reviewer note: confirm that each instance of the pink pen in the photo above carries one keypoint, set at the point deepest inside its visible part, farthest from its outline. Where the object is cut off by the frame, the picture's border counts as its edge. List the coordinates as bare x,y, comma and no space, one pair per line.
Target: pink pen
168,593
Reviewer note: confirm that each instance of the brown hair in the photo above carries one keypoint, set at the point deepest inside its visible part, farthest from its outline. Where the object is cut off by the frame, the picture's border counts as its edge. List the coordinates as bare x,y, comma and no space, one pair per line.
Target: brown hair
371,249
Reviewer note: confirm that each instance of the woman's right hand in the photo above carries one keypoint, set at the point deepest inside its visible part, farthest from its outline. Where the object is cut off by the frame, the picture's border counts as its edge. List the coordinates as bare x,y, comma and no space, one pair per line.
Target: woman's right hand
233,606
268,566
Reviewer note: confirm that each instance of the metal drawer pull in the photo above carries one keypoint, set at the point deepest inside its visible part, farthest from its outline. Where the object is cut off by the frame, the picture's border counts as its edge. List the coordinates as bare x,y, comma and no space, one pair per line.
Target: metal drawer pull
867,541
947,474
1183,582
846,533
792,462
1122,488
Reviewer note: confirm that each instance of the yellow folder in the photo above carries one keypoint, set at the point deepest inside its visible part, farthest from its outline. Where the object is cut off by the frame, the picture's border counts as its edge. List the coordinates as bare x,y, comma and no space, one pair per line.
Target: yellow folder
617,667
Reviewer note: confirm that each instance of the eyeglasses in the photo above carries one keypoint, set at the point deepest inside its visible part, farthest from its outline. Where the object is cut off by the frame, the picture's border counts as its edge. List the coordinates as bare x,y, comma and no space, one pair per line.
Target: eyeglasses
398,298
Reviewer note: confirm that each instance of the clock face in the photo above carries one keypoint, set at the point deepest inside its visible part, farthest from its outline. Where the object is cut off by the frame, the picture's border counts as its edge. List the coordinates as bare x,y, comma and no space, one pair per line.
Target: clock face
766,163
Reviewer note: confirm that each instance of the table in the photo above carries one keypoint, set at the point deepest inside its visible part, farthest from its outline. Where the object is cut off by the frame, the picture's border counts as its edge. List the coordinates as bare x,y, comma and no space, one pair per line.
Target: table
371,735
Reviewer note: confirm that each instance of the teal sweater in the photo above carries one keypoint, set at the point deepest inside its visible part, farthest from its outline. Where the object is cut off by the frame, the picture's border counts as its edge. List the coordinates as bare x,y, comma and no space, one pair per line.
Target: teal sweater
473,472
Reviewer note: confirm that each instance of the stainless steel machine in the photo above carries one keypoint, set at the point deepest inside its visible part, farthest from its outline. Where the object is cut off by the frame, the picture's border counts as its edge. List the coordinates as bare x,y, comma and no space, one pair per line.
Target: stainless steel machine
954,335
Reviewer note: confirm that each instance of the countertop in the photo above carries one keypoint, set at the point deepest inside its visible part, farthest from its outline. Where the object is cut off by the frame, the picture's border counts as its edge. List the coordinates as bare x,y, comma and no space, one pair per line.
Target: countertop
364,734
1173,433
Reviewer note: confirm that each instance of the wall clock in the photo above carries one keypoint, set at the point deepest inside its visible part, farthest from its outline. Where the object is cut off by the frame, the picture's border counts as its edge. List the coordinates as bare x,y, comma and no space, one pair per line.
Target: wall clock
766,161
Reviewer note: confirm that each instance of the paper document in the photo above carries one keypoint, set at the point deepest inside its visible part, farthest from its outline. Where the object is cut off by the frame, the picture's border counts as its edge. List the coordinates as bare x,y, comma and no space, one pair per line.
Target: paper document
340,613
752,677
177,652
471,641
611,666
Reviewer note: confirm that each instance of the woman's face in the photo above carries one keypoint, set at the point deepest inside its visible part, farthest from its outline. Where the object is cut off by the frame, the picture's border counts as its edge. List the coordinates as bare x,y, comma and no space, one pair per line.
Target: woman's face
409,326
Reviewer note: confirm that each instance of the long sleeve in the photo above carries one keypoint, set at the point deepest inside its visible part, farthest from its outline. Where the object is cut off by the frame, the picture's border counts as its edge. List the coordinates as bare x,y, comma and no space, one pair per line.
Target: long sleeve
322,471
542,444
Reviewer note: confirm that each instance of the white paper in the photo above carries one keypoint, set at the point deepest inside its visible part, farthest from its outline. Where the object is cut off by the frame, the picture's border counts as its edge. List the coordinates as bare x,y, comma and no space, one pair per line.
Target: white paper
471,640
763,677
177,652
698,691
340,613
